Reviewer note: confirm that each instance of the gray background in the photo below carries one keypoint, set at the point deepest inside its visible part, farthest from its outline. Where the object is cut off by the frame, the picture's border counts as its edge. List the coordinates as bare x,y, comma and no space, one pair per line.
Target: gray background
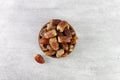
96,56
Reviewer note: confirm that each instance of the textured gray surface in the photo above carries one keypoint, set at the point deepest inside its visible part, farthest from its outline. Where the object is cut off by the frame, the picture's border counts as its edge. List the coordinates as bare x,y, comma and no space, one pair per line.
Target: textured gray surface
96,56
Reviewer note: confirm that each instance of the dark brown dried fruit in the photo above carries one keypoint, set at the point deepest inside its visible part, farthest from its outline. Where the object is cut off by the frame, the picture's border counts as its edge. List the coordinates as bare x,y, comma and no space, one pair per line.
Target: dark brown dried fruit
53,43
43,47
55,22
39,59
44,41
49,26
50,52
60,34
43,31
62,25
67,32
65,54
50,33
64,39
65,46
73,40
59,53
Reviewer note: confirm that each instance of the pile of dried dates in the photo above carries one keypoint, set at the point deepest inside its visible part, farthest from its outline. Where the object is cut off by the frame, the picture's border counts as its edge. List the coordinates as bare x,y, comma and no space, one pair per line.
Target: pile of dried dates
57,38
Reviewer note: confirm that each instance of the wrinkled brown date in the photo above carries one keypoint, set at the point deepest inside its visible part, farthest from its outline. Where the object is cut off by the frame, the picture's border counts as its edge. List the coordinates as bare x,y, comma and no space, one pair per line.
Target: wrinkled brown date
39,59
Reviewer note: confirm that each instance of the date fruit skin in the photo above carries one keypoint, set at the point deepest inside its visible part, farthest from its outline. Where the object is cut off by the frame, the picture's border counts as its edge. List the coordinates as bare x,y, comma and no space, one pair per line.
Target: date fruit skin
53,43
59,53
50,34
64,39
65,46
44,41
43,47
50,52
62,25
55,22
38,58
